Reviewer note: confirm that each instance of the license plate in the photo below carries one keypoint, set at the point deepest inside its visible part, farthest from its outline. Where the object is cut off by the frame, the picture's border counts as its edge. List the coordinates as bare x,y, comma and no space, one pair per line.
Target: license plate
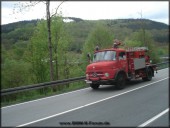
88,82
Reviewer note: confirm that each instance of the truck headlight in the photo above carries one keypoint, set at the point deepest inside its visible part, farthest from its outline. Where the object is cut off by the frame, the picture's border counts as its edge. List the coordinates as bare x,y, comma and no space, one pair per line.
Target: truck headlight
106,74
87,76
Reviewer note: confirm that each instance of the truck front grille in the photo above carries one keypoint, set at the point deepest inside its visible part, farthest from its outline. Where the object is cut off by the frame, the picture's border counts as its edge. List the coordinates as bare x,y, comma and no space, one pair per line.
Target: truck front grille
96,74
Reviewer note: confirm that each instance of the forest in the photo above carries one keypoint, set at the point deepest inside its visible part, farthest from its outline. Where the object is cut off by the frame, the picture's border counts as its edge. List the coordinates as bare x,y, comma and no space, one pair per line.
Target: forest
25,56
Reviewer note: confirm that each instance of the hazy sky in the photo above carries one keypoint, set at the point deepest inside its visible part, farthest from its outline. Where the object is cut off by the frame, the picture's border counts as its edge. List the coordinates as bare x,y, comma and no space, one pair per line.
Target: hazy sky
153,10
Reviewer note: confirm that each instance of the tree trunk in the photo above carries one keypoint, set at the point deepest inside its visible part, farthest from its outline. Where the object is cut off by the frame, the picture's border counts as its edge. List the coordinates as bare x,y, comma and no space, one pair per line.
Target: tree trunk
49,42
66,69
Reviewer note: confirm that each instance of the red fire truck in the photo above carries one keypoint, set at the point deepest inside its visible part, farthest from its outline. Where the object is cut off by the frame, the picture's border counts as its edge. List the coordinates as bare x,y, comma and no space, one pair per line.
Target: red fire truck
115,66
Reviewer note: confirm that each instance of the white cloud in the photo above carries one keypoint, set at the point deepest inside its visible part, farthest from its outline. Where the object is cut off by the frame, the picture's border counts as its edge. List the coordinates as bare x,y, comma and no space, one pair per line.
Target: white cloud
158,10
12,13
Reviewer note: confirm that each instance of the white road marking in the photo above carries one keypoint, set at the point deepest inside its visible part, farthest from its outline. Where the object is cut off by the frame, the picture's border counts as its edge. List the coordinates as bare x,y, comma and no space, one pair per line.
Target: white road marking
89,104
154,118
53,96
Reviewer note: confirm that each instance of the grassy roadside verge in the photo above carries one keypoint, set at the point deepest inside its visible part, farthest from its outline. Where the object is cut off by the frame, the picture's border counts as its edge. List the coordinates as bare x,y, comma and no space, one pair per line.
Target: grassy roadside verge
33,94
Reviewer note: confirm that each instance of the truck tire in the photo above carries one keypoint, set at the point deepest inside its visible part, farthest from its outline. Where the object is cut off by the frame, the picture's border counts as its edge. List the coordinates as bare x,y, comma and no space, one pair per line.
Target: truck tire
94,86
148,75
120,81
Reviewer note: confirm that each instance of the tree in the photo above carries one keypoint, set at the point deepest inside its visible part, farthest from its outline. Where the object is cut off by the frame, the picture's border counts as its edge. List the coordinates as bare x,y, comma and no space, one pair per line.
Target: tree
100,36
37,53
48,18
142,24
60,43
49,39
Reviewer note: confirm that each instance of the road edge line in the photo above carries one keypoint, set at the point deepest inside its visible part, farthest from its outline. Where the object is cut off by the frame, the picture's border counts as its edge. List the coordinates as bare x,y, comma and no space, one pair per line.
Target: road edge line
154,118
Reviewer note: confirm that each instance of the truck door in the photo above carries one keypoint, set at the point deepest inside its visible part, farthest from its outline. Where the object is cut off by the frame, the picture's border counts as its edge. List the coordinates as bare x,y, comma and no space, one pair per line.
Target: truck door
122,61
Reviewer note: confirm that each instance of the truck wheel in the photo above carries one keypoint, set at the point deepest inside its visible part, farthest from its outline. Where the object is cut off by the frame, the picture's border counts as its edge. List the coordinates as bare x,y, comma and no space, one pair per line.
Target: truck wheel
94,86
148,75
120,82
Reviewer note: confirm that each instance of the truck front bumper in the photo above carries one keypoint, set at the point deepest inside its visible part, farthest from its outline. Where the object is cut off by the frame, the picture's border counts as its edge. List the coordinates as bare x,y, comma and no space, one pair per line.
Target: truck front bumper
101,82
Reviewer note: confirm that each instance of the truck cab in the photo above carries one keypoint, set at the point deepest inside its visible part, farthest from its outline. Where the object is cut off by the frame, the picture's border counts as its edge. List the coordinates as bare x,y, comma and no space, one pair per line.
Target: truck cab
105,66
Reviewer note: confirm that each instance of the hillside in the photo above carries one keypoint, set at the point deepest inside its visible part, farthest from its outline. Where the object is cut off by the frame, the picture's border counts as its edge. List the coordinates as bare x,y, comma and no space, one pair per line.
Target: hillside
79,30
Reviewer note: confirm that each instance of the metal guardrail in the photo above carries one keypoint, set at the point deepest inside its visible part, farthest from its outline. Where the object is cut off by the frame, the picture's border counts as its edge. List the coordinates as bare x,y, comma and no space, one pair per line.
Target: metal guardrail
162,63
47,84
40,85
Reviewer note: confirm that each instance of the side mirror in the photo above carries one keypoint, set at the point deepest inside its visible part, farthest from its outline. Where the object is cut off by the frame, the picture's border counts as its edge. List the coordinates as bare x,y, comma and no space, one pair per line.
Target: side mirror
89,57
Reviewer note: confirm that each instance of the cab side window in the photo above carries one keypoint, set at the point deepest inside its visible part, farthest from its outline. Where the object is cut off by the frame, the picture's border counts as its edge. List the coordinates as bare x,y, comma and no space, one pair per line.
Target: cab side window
122,56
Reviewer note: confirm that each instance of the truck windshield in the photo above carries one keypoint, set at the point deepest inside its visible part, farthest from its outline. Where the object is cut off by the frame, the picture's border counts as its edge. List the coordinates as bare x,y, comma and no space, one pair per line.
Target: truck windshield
104,56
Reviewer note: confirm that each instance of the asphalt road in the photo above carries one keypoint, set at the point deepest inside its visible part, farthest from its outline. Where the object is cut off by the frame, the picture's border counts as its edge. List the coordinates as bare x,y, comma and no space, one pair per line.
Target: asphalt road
133,106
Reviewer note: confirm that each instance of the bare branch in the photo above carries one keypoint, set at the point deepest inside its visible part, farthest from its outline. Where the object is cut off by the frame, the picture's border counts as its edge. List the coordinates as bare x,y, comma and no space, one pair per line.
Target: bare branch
20,7
44,2
58,8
